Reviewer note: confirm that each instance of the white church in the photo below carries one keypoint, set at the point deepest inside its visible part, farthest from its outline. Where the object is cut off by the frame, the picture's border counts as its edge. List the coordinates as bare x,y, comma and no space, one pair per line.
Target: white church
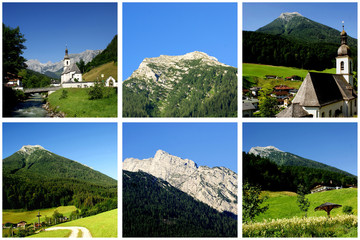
71,72
71,76
327,95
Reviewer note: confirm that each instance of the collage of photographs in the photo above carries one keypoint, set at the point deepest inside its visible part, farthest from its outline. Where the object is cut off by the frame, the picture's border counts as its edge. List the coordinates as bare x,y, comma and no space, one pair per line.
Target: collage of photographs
133,119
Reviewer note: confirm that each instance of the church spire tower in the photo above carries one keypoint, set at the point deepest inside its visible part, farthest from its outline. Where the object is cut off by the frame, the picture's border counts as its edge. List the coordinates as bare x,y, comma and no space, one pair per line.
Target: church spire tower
344,61
66,58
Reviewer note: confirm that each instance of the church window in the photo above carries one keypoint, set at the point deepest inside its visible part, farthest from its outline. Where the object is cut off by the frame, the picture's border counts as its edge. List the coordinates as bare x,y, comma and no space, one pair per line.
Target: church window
323,114
342,65
330,113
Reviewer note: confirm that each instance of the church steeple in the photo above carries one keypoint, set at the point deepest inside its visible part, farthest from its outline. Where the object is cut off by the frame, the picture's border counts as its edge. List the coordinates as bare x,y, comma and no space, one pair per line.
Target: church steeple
344,62
66,58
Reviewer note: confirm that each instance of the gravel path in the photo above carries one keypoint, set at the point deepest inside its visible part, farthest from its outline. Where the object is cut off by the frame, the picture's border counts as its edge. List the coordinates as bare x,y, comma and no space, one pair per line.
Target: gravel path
74,231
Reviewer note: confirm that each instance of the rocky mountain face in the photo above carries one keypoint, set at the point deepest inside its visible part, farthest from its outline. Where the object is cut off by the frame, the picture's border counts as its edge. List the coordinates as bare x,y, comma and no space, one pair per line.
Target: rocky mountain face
288,159
295,26
173,86
35,65
216,186
165,69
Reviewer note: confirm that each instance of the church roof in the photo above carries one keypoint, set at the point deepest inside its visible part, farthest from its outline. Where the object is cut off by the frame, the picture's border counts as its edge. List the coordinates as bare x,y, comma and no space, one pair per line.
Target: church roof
293,111
319,89
72,68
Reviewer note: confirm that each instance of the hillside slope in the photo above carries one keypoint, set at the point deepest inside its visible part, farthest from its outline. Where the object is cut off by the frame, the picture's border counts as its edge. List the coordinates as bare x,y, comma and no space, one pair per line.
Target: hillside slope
106,56
168,212
190,85
295,26
288,159
281,205
36,178
108,69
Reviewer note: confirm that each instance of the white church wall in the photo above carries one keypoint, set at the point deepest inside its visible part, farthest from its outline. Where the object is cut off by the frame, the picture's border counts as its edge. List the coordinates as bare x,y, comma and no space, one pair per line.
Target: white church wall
332,107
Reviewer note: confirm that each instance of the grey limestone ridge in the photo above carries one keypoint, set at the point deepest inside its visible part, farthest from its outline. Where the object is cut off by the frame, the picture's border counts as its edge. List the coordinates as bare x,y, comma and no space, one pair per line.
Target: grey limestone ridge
86,56
287,16
28,149
264,151
165,69
216,186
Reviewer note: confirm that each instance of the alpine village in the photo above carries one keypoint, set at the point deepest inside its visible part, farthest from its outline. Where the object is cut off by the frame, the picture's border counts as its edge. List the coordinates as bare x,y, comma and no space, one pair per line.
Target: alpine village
295,67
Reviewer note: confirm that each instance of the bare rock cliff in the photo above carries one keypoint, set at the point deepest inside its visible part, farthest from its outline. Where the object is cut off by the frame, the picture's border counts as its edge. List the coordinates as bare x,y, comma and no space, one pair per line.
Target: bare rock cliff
216,186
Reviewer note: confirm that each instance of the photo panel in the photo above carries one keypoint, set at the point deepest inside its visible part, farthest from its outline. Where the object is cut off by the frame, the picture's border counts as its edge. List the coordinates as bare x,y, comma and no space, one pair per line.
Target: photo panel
181,61
303,184
61,177
298,62
60,59
179,180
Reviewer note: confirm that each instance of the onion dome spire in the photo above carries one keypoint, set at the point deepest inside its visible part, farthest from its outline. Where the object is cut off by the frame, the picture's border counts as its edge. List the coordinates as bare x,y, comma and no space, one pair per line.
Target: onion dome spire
66,53
344,49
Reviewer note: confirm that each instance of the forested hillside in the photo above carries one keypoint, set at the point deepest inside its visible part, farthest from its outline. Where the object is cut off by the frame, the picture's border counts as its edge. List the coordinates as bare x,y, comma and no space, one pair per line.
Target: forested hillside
43,180
280,51
167,211
270,176
108,55
205,91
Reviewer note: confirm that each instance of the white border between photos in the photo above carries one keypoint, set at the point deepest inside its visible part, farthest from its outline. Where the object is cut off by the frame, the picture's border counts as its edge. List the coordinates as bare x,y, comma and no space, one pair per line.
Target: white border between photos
120,120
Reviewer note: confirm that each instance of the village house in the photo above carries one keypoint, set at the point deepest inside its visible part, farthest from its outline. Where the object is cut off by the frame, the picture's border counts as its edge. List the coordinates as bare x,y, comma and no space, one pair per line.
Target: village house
328,95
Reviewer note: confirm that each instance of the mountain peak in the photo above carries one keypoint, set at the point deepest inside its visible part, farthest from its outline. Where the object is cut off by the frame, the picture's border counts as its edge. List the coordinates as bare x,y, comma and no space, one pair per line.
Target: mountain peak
264,151
288,16
31,148
209,185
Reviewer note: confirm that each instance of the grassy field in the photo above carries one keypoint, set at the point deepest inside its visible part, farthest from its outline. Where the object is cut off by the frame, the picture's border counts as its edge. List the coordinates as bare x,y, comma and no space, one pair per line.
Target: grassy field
284,205
77,104
284,218
256,73
108,69
102,225
339,226
15,216
52,234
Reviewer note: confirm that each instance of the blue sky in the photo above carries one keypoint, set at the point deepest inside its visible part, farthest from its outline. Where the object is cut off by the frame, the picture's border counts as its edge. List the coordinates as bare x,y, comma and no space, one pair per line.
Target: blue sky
334,144
210,144
154,29
93,144
256,15
48,27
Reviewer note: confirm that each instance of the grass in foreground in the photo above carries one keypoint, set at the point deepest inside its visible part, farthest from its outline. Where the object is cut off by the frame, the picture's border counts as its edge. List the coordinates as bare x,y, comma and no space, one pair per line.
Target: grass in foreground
102,225
52,234
284,205
339,226
77,104
15,215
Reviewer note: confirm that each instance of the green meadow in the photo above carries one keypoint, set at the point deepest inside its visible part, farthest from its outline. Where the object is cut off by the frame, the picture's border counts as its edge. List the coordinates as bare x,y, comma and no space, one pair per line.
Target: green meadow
102,225
256,74
77,103
284,218
284,205
15,216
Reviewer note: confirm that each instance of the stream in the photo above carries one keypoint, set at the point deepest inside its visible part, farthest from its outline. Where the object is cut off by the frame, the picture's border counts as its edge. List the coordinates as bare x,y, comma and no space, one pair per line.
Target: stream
31,107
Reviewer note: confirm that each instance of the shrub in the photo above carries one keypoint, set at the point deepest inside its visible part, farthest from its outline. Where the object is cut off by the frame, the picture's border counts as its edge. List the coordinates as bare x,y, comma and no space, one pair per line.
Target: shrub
347,210
64,94
96,92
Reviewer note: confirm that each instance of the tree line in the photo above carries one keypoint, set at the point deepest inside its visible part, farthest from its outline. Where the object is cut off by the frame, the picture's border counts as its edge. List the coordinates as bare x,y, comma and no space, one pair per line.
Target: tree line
270,176
279,51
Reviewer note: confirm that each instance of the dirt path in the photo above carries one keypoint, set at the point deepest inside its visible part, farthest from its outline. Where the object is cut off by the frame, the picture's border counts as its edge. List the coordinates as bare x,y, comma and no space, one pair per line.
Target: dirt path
74,231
